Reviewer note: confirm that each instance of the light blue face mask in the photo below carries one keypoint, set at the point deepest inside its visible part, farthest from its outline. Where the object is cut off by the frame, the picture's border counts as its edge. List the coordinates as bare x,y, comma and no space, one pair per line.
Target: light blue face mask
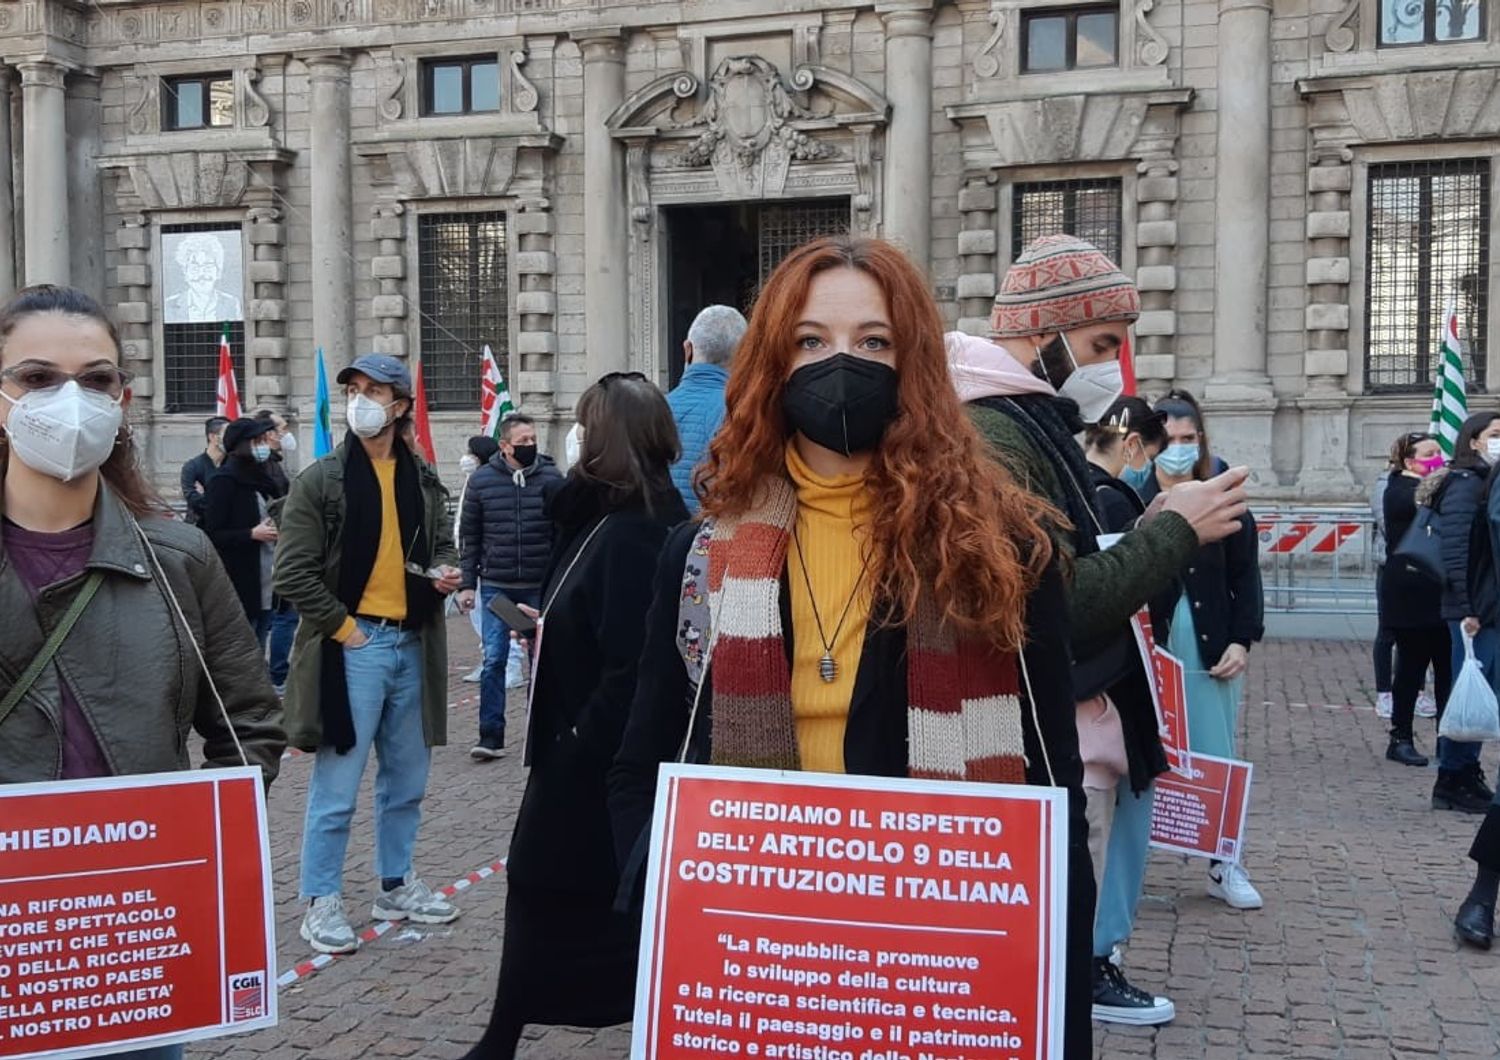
261,453
1136,477
1178,459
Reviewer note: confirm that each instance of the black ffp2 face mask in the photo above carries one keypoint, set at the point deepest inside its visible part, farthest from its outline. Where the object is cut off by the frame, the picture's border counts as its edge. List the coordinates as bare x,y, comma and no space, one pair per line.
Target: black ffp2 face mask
525,455
843,403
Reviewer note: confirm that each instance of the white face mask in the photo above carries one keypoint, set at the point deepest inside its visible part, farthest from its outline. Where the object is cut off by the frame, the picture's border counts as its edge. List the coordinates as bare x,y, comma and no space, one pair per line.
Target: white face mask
1094,386
366,416
288,442
1492,450
65,431
468,463
573,445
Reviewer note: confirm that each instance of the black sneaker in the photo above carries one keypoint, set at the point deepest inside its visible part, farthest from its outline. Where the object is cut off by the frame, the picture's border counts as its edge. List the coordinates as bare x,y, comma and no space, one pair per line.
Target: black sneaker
1453,791
1116,1001
488,749
1402,750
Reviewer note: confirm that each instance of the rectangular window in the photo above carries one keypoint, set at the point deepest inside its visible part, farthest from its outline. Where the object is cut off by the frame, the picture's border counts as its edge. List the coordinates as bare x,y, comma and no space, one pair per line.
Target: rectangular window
203,101
1430,21
461,86
1069,39
1088,209
1429,245
465,303
201,287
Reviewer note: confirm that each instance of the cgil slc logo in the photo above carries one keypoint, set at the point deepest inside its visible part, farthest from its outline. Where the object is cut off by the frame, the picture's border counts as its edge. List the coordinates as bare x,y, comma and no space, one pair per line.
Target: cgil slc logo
247,996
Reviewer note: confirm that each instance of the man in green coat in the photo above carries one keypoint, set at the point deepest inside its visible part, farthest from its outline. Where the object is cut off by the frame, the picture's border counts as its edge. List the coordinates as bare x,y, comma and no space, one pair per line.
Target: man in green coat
366,555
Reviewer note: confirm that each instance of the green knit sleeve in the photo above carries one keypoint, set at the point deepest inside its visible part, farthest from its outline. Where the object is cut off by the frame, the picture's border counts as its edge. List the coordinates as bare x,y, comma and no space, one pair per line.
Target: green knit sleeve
1014,451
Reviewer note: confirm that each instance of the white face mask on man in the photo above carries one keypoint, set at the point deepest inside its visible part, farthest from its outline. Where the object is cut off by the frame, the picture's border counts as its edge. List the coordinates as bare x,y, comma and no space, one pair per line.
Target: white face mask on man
63,432
288,442
1094,386
365,415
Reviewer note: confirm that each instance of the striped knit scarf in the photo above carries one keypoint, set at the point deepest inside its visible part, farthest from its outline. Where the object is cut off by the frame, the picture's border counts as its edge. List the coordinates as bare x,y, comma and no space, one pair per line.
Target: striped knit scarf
963,697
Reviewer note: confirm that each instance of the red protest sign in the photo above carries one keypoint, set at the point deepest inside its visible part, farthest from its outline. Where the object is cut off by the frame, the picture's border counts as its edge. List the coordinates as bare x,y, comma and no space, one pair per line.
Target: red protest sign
851,918
1168,692
134,912
1203,814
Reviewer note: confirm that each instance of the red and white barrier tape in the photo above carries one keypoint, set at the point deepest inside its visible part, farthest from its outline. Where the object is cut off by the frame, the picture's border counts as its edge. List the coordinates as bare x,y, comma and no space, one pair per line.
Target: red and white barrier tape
315,964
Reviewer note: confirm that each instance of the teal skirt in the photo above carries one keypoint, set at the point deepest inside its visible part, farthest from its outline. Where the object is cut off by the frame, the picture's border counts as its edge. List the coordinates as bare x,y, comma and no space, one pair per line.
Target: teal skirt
1213,706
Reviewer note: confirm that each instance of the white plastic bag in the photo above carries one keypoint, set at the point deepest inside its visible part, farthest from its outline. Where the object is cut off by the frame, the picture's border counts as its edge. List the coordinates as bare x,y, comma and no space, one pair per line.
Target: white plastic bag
1472,713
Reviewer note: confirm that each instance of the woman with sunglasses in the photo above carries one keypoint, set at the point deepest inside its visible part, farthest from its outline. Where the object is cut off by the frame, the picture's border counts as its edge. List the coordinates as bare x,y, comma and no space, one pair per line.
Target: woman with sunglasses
871,544
568,957
1217,617
1411,603
84,536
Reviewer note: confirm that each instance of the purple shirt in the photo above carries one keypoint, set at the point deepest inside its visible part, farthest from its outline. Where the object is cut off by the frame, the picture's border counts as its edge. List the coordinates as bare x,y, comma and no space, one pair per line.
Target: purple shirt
42,560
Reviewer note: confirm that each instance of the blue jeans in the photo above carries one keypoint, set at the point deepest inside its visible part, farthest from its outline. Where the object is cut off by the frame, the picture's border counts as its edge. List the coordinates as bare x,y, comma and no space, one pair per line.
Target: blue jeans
160,1052
496,653
385,697
261,623
283,629
1459,755
1124,868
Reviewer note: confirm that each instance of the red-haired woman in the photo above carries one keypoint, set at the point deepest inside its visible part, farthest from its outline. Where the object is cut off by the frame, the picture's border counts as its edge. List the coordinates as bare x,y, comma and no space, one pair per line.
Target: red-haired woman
871,542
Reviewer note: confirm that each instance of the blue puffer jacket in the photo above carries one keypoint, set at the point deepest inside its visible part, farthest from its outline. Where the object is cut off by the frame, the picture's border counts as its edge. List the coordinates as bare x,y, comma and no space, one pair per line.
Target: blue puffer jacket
507,537
698,407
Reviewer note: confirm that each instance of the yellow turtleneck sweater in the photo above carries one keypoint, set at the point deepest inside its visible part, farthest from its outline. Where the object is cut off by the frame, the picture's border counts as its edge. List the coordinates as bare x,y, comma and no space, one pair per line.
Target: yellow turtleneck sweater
828,512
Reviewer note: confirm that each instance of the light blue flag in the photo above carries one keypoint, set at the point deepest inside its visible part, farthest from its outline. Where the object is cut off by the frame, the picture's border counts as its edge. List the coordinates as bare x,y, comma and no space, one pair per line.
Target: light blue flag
323,414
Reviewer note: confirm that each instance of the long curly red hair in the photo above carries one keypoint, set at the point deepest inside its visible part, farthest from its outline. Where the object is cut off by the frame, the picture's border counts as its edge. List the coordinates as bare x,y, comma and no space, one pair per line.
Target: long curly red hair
950,524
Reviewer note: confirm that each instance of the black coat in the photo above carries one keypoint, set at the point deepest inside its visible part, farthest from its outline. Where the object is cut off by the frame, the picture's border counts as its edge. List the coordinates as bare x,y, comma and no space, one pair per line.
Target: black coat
874,738
1223,584
196,472
231,510
1119,508
1458,503
585,679
504,528
1408,598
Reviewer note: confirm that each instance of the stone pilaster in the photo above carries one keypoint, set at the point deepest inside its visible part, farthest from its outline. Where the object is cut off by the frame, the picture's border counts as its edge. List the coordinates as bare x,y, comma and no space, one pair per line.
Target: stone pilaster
7,193
266,366
1239,397
977,244
536,305
133,239
85,189
1156,194
606,284
332,209
908,143
45,175
388,229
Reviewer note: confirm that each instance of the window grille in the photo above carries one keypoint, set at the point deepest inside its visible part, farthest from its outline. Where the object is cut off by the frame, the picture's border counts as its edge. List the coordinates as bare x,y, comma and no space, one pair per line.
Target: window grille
190,352
783,227
1429,246
1406,22
1088,209
465,304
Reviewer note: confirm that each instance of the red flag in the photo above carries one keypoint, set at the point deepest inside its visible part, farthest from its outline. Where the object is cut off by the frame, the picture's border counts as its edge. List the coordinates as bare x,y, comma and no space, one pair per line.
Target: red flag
419,416
1127,366
228,404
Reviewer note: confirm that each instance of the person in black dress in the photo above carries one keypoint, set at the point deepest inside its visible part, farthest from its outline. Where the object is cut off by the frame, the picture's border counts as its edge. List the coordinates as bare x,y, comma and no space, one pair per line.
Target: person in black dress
568,957
237,519
1411,602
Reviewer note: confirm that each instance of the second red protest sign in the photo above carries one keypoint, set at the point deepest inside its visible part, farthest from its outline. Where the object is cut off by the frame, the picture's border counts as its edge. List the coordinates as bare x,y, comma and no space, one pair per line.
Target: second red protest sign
868,918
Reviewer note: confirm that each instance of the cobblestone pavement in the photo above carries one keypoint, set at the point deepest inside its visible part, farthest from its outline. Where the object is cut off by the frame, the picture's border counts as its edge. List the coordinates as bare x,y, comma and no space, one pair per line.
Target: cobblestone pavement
1352,958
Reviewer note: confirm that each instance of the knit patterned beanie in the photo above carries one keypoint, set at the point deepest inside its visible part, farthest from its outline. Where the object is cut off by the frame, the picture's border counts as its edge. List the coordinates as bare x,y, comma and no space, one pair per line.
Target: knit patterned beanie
1060,283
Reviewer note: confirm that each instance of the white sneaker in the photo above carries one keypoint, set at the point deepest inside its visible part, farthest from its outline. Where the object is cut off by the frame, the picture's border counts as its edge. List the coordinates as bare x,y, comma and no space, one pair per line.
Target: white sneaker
1229,883
1426,705
473,676
414,901
1383,705
513,680
326,926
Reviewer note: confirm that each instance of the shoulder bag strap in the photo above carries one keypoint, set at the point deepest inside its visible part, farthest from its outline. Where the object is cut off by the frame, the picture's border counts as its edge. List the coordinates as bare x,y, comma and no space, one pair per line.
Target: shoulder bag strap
54,642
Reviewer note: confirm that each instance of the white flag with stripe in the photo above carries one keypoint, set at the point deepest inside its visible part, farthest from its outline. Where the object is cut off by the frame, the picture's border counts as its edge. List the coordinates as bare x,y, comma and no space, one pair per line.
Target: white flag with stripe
494,396
1450,406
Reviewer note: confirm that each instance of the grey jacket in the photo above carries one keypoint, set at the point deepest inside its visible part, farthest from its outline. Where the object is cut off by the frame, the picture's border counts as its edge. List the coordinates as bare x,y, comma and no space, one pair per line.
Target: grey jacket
131,664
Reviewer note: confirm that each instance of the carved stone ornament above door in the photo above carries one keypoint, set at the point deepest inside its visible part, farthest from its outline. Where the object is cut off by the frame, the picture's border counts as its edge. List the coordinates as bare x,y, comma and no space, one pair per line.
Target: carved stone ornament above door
752,129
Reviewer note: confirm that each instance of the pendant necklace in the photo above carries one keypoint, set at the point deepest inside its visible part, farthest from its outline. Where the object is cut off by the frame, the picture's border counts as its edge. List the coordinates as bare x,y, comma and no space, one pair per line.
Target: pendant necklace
828,667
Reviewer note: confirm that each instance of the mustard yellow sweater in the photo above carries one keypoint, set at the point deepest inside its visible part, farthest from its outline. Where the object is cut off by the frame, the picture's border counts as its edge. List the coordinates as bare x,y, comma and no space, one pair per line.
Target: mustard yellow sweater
832,526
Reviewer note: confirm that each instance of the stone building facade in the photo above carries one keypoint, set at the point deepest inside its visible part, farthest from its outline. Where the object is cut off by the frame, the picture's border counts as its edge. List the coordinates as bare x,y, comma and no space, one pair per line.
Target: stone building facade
1299,186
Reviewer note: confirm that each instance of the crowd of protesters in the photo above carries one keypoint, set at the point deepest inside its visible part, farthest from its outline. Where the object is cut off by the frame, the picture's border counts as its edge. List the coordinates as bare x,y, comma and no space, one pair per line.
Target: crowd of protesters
869,483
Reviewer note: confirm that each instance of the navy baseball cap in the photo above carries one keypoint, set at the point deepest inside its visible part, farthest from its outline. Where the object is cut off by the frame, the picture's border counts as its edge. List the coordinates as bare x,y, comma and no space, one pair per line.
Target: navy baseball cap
380,367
